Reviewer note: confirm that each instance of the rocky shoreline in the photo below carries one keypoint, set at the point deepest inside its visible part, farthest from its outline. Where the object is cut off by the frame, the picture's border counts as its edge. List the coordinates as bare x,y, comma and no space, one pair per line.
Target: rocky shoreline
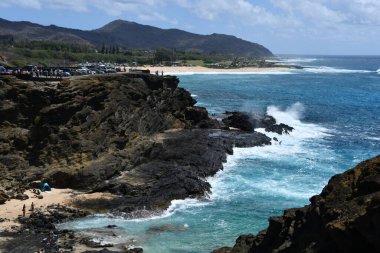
138,137
345,217
132,143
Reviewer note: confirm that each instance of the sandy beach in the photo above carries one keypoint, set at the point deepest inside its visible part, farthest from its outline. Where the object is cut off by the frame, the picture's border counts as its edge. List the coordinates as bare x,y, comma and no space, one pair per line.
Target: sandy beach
12,209
198,69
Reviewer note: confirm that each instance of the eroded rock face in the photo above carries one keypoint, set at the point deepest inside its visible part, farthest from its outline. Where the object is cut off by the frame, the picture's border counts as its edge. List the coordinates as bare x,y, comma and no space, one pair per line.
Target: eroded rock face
345,217
139,136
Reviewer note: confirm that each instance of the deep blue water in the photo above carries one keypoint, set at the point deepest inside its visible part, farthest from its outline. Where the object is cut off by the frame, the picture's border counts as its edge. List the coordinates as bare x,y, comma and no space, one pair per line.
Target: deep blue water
334,108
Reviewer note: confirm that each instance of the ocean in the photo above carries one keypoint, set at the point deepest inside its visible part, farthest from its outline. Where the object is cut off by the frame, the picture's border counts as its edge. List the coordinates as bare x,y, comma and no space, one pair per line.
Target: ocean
334,106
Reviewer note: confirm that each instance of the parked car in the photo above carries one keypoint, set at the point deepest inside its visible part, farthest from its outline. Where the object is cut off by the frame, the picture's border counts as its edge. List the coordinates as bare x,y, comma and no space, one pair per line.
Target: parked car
110,70
83,71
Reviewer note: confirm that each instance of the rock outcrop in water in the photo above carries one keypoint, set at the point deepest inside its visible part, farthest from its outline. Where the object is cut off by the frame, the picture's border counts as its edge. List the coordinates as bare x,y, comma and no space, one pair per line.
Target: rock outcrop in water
247,122
138,136
345,217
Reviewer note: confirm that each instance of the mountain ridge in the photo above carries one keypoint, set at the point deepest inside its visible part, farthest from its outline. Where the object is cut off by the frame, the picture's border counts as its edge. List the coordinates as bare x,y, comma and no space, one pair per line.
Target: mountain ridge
132,35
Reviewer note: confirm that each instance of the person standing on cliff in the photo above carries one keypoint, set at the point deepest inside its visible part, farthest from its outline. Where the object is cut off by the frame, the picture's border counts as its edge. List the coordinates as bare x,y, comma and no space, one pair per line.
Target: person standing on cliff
23,210
32,207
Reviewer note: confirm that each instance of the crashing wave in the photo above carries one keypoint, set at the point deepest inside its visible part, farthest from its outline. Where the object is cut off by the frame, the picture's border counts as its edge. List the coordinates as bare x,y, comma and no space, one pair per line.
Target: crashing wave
270,72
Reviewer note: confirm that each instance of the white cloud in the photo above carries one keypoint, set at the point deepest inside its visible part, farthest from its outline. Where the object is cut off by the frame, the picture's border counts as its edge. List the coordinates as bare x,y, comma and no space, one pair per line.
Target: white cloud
33,4
110,7
281,16
153,16
240,11
365,11
312,11
77,5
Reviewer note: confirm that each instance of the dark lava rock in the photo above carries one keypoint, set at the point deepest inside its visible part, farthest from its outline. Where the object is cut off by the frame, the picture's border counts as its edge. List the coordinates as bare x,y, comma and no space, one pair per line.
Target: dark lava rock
345,217
43,222
138,136
3,197
167,228
134,250
21,196
267,121
239,120
37,227
103,251
279,128
196,114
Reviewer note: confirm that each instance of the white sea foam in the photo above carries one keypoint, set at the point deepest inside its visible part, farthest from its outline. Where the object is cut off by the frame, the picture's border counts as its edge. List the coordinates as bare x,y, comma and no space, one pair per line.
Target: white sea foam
297,148
373,138
273,72
292,116
292,61
324,69
194,96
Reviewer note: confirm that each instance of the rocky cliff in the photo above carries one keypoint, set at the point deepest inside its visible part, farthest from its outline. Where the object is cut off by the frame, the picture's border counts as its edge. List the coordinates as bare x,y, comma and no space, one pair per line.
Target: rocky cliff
345,217
138,136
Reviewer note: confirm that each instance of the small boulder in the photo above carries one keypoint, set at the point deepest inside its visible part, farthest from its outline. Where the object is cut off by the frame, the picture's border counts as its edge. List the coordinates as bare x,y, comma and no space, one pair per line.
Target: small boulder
22,196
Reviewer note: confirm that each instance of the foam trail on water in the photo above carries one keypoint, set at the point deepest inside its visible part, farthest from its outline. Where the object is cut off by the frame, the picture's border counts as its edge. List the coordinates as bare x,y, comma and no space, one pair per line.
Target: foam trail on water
292,61
324,69
274,72
176,205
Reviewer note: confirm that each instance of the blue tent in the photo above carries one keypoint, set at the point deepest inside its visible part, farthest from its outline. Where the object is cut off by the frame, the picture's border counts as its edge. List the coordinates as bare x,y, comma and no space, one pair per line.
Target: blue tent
45,187
2,69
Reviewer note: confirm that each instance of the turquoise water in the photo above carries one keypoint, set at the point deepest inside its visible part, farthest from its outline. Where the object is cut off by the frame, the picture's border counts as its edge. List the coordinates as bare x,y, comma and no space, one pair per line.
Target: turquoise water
334,108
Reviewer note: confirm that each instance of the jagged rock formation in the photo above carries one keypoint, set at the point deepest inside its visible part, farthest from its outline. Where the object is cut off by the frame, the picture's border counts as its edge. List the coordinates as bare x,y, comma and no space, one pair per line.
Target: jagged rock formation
247,122
345,217
137,136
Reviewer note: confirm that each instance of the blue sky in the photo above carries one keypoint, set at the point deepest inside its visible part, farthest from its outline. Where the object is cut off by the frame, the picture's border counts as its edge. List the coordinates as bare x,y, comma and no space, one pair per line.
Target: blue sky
350,27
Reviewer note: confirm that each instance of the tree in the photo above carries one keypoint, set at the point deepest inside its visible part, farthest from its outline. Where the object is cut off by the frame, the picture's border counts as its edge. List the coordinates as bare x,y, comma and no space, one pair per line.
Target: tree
162,55
103,50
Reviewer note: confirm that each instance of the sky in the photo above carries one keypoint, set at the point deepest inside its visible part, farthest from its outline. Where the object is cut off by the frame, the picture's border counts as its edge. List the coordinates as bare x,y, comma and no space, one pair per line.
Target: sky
311,27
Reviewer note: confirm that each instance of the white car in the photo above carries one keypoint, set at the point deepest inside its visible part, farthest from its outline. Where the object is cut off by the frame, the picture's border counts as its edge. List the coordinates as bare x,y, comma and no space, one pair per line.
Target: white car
83,71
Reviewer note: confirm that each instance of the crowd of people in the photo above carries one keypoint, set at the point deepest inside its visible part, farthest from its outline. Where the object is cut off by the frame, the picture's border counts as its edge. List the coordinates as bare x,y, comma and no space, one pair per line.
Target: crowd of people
39,72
